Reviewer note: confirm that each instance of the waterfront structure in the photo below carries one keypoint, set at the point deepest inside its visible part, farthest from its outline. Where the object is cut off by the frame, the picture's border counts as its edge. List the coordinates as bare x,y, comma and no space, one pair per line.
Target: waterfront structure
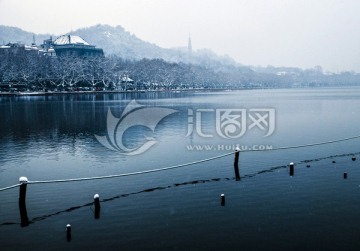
72,45
17,49
65,45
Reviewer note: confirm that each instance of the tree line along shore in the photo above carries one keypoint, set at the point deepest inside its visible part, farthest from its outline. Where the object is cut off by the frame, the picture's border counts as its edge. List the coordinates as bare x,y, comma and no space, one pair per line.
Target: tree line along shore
28,73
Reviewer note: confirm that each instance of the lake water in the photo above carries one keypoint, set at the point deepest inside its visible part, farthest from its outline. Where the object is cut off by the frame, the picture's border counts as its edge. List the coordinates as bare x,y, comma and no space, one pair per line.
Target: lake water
53,137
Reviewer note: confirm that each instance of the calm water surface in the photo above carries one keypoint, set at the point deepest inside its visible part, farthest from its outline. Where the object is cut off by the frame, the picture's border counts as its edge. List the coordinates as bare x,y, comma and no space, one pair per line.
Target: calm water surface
52,137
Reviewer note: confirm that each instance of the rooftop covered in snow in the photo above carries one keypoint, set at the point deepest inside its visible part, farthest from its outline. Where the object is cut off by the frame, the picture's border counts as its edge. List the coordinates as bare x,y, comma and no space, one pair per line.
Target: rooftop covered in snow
69,39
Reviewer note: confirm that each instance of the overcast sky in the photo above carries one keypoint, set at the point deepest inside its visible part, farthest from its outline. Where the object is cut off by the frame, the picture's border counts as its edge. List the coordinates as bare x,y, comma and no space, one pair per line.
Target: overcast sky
300,33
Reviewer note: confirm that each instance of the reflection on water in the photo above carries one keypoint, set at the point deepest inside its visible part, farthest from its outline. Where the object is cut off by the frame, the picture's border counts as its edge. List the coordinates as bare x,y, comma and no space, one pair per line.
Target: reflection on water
52,137
57,127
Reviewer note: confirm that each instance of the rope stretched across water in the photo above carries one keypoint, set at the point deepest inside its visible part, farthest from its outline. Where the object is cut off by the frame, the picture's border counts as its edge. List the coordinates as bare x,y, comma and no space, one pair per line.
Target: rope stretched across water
306,145
178,166
134,173
9,187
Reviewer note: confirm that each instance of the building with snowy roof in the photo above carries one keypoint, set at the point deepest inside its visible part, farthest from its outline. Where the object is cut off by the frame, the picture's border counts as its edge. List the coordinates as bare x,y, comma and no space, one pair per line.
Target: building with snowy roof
71,45
18,49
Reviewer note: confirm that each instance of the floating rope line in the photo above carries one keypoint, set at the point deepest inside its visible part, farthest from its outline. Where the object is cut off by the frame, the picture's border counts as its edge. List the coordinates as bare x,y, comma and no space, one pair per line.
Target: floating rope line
9,187
130,174
177,166
306,145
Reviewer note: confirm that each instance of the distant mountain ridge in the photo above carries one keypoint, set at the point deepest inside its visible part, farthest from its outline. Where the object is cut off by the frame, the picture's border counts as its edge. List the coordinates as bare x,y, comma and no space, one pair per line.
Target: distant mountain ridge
16,35
118,41
202,66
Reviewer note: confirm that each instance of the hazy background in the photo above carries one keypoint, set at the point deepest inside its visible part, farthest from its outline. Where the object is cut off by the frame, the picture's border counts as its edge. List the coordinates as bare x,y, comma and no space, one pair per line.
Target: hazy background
301,33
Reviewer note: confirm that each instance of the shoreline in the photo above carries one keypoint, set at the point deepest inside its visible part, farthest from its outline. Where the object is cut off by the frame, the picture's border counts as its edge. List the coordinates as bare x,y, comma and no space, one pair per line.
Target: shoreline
51,93
42,93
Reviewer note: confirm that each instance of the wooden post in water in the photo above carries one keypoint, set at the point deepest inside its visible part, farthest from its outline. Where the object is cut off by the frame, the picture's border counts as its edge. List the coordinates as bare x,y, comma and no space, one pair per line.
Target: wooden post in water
236,163
97,206
222,199
68,232
22,202
291,169
345,175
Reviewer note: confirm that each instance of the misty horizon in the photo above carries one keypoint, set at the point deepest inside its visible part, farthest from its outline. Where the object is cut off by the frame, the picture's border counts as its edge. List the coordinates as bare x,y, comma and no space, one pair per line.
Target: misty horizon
279,33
